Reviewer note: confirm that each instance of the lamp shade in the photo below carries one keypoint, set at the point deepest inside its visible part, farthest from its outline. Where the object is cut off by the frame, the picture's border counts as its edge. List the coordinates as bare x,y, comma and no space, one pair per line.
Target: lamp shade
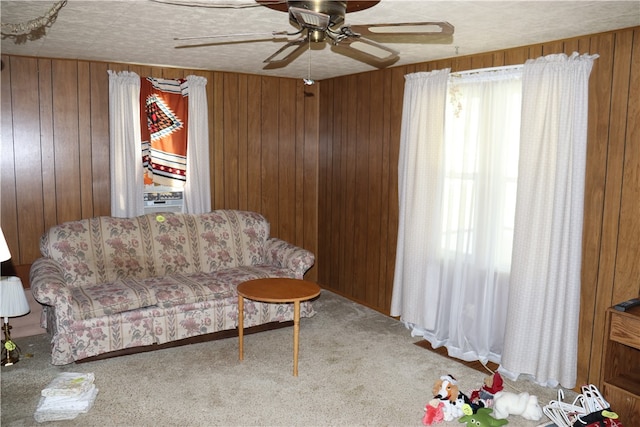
13,301
4,249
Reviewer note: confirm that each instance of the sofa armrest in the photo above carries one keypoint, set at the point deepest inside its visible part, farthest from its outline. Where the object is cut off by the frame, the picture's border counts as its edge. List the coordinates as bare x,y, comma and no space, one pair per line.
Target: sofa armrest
47,283
284,254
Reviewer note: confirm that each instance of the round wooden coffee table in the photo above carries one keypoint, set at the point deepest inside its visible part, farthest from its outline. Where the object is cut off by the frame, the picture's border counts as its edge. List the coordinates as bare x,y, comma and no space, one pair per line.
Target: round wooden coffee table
276,290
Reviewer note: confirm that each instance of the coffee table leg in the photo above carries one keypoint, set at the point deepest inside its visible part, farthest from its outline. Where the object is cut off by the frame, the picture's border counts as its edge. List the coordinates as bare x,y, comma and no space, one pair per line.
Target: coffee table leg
240,325
296,332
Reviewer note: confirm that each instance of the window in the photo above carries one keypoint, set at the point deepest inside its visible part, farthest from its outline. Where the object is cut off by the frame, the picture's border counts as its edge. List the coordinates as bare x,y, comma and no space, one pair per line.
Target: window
482,135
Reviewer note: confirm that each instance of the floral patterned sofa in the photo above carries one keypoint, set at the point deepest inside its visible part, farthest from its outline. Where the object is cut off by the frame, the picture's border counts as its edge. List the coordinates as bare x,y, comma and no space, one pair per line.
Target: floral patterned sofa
109,284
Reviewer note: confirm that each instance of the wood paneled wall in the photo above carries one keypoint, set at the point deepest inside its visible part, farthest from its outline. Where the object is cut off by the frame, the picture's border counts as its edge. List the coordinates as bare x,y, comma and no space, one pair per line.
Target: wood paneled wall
360,119
320,162
55,148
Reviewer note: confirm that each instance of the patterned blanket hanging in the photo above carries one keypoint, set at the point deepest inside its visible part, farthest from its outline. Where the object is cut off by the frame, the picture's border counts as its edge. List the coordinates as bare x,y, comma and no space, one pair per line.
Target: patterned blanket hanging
164,118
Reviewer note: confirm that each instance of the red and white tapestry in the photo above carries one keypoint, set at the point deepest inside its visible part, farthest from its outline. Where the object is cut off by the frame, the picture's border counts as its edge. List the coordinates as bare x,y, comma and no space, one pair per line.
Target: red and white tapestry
164,117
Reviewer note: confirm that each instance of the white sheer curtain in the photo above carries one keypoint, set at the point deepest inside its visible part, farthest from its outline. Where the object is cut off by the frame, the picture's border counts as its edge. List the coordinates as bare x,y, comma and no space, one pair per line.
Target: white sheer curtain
456,282
544,301
197,190
127,185
127,182
473,170
416,287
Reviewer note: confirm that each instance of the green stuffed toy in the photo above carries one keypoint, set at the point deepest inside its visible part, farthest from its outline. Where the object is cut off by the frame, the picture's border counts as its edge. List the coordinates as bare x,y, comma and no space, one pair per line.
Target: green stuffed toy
481,418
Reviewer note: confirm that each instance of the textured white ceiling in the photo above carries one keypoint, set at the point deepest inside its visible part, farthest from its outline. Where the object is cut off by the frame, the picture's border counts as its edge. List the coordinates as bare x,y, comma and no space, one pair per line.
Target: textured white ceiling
143,31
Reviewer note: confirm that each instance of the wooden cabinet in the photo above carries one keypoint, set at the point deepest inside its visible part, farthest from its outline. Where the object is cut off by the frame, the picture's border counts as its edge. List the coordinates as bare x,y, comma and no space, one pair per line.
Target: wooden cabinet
621,366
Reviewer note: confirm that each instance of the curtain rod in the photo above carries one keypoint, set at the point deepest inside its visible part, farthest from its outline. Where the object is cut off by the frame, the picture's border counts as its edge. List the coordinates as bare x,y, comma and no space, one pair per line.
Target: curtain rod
482,70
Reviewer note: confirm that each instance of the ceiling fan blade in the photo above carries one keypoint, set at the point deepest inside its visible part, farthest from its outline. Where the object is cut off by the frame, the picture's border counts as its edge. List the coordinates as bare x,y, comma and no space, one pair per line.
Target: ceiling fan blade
286,54
367,51
223,39
405,28
225,43
227,5
273,34
408,32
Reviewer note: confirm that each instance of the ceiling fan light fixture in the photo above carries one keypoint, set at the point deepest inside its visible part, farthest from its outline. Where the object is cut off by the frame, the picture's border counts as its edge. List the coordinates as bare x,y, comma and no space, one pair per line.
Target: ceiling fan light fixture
316,36
309,19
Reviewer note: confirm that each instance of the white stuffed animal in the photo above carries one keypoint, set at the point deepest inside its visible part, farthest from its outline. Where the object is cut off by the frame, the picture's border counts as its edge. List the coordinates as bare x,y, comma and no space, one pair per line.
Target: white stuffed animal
523,404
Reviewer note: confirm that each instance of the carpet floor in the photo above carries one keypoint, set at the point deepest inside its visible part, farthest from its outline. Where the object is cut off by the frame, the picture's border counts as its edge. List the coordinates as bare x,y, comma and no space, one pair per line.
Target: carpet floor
356,367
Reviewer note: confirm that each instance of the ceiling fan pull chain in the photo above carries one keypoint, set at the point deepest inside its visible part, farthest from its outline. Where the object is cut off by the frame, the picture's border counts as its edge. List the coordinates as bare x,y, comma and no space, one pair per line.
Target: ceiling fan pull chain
308,81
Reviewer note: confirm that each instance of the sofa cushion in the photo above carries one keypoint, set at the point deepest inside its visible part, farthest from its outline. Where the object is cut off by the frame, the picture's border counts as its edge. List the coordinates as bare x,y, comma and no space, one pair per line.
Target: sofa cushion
105,249
130,293
229,239
178,289
102,299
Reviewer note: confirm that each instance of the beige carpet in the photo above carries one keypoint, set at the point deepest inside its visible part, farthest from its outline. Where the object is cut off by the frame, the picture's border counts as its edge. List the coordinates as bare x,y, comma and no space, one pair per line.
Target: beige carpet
357,367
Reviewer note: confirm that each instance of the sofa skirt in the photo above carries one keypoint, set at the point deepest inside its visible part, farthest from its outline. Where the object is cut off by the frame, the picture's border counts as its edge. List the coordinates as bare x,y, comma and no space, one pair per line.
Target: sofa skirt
154,325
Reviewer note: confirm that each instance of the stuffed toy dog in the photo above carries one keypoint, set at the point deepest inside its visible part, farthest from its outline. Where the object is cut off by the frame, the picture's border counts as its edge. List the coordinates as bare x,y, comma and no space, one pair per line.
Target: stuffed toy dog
523,404
446,390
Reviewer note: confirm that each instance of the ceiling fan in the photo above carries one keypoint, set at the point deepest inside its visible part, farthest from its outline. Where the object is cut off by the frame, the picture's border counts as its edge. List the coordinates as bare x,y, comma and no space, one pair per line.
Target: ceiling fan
320,21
